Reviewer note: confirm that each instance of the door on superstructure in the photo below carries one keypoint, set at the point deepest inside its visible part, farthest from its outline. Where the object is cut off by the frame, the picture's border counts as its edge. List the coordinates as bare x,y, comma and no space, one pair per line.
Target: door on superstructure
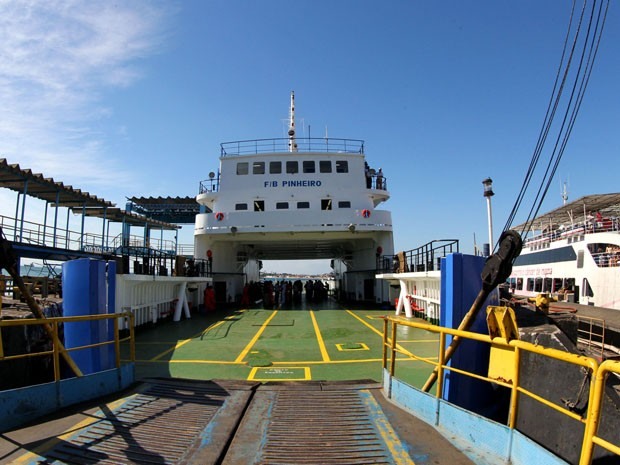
369,289
220,292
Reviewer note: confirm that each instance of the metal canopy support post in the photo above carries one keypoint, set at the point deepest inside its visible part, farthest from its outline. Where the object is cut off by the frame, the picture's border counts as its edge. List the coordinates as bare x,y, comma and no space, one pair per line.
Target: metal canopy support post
21,225
56,218
44,223
82,230
67,230
16,216
105,212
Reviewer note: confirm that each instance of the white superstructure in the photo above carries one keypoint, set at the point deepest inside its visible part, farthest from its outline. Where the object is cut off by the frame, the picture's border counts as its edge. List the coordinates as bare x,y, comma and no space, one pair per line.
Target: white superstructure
295,199
574,252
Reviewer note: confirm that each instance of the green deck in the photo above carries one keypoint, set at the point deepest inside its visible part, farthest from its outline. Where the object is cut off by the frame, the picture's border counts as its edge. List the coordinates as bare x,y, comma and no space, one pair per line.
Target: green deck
315,342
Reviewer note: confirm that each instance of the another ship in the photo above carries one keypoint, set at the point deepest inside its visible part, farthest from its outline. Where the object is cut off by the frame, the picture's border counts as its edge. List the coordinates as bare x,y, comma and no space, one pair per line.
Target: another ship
573,252
294,198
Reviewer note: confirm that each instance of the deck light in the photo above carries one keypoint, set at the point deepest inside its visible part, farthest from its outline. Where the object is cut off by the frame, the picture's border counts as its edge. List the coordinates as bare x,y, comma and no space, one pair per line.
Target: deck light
488,193
488,187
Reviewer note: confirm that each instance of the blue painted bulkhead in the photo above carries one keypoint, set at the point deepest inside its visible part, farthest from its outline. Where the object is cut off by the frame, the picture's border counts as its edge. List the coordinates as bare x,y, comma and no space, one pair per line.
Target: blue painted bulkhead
89,289
460,284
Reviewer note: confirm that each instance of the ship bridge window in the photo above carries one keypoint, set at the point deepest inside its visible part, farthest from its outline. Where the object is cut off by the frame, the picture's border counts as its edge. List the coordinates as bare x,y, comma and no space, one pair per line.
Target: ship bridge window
538,284
275,167
258,167
281,205
301,205
344,204
530,284
259,205
325,166
242,168
241,206
292,167
557,284
342,166
308,166
326,204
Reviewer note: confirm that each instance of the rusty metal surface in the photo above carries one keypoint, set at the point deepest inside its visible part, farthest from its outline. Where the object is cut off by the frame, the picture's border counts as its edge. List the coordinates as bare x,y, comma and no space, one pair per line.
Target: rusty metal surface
168,422
309,426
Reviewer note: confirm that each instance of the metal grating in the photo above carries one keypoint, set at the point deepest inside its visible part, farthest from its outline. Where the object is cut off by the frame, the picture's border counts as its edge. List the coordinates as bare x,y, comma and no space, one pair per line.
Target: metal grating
159,425
322,427
309,426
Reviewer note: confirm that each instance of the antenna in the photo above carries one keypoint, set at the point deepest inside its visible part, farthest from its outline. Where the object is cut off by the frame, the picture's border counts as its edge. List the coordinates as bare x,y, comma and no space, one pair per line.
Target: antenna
564,193
292,144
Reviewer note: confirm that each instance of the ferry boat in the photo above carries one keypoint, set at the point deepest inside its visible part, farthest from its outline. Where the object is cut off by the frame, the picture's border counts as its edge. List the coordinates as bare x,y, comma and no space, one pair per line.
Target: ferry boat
294,198
573,253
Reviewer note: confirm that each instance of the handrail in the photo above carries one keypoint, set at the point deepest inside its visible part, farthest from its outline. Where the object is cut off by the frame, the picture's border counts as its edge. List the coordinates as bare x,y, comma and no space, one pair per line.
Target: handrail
581,227
304,144
598,374
40,235
57,350
591,435
424,258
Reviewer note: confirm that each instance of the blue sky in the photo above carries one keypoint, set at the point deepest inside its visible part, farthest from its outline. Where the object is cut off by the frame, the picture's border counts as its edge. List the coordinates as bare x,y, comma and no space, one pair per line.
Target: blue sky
126,99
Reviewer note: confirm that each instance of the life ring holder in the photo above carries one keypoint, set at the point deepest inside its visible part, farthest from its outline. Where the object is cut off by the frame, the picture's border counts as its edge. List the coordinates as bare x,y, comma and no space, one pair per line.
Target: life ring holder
219,216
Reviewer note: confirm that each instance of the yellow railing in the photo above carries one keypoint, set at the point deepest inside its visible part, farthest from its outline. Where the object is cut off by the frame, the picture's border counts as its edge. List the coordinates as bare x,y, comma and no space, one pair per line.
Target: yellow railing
56,350
597,375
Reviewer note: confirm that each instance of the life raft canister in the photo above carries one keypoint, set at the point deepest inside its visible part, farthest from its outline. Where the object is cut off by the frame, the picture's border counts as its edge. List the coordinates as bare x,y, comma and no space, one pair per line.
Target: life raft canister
219,216
366,213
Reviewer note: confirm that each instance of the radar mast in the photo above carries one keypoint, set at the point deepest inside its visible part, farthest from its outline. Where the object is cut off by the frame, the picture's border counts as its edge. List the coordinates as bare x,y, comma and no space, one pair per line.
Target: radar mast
292,143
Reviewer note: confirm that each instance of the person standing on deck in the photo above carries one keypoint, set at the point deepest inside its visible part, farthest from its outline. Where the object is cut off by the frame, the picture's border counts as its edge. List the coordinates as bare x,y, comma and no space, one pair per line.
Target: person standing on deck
209,299
380,179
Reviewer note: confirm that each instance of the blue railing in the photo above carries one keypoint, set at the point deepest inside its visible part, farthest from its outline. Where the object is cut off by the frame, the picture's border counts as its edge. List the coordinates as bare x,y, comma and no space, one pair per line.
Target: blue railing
304,144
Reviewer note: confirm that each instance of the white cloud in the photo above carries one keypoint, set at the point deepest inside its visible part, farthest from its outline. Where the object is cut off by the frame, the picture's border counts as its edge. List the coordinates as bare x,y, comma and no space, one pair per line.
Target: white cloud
56,59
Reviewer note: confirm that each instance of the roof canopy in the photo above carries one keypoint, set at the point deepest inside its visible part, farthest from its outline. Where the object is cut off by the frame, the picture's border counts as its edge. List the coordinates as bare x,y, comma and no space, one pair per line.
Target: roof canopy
34,184
182,210
117,215
607,204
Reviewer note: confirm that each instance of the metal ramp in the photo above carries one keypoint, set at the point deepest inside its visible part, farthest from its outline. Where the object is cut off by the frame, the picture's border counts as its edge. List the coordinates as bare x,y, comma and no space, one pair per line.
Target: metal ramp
315,424
236,423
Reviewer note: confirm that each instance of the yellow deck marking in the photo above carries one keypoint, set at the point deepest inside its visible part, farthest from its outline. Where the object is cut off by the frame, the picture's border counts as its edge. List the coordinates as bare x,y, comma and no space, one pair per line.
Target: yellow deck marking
390,438
182,343
256,370
362,347
398,346
319,338
29,457
247,349
300,362
419,340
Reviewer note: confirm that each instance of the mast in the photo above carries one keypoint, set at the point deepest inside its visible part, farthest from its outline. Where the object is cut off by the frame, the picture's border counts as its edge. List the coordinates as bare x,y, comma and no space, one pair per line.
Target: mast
292,144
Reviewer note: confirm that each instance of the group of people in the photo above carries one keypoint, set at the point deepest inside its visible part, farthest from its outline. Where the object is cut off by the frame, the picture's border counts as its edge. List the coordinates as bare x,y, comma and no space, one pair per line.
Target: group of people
283,293
610,256
370,173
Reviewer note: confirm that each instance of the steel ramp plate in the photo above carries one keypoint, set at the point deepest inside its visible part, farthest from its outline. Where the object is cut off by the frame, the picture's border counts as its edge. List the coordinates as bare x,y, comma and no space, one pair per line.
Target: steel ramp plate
315,424
168,421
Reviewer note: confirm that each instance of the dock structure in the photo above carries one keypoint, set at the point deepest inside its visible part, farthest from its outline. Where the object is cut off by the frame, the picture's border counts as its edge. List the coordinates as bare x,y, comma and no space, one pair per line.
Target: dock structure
417,272
139,258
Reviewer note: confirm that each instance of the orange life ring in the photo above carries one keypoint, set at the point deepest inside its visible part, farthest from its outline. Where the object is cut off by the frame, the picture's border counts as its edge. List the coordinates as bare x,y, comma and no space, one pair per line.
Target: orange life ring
366,213
219,216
